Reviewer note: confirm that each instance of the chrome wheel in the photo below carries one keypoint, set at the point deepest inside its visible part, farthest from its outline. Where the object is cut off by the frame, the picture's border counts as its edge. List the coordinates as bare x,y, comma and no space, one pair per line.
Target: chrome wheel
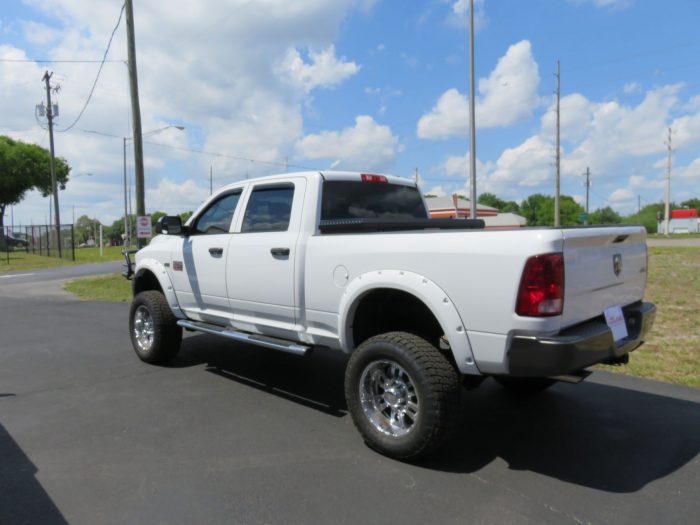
144,332
389,398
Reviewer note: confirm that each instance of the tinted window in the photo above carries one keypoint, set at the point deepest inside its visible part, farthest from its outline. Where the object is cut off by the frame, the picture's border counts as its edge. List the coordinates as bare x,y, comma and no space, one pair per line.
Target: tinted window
370,200
269,210
217,217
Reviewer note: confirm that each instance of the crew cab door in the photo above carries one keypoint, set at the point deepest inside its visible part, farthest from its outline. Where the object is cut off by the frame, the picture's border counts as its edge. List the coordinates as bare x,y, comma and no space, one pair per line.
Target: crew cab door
198,265
260,271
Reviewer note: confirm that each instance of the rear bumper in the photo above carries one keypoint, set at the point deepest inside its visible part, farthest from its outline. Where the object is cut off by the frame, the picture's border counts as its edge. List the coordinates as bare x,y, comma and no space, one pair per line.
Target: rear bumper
580,346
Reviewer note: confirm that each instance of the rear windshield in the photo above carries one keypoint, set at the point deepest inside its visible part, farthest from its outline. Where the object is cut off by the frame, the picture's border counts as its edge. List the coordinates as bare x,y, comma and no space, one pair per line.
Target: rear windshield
344,199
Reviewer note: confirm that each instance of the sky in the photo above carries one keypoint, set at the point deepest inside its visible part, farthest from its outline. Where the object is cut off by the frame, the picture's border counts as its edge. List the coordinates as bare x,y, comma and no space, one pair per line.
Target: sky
266,86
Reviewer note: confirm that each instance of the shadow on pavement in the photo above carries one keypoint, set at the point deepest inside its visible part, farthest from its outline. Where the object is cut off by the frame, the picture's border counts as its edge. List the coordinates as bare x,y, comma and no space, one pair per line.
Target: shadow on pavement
315,380
22,498
604,437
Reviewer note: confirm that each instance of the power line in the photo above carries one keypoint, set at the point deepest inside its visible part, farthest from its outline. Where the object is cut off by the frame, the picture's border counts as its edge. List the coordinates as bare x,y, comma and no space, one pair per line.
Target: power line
209,153
97,77
234,157
51,61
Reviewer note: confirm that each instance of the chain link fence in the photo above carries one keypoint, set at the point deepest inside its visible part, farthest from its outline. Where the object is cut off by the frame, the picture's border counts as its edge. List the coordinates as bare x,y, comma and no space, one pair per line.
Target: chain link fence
43,240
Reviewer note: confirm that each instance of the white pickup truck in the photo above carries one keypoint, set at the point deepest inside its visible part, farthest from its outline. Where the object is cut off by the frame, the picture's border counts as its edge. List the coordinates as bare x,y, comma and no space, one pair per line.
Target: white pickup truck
350,261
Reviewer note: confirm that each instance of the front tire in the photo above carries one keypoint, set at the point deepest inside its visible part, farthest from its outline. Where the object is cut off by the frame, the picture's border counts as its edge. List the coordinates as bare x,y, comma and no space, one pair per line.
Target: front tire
153,328
403,394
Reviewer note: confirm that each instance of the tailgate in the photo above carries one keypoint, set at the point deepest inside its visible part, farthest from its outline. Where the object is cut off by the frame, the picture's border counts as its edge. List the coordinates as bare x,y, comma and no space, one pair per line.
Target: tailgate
603,267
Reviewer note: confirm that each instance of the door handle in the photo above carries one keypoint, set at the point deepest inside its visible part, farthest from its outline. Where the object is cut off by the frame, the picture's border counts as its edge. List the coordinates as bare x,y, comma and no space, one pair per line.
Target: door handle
216,251
279,251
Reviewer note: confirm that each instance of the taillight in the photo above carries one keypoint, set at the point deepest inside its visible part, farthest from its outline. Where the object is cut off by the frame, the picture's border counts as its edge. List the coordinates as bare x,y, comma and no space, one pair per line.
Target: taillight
366,177
541,292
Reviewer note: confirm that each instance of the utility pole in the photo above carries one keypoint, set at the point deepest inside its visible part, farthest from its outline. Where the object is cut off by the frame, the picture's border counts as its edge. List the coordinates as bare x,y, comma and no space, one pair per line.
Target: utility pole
127,240
211,179
54,187
135,114
416,176
472,117
588,185
557,222
667,205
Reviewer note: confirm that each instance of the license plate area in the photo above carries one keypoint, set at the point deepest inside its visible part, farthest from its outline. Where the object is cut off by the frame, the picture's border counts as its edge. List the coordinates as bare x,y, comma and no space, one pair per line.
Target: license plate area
615,319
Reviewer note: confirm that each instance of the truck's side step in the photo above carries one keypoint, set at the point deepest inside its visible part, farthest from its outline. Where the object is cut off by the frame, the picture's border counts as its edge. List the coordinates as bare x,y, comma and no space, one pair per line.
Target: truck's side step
574,377
253,339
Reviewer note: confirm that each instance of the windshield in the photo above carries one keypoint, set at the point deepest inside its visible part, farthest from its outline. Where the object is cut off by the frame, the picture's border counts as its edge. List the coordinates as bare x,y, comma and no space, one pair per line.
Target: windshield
344,199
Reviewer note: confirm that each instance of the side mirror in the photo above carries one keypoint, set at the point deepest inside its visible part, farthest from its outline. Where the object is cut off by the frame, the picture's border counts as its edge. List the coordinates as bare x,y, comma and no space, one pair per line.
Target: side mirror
169,225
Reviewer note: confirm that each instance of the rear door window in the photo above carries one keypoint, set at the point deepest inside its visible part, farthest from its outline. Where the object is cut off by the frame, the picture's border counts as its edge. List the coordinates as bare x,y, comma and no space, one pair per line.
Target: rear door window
269,209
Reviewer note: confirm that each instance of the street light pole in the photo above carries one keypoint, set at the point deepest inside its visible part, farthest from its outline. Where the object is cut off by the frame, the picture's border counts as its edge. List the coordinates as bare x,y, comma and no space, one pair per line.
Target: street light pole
472,118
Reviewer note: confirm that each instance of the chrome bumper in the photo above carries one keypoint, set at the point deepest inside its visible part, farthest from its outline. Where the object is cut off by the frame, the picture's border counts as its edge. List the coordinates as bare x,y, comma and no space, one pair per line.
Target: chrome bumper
579,346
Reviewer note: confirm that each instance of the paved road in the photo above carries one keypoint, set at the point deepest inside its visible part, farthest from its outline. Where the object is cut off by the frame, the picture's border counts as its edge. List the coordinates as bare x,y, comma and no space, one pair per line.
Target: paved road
60,273
231,434
683,241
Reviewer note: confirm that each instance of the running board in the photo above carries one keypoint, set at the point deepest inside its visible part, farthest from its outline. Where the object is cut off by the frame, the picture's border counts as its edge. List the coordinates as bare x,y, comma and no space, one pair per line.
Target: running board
253,339
574,377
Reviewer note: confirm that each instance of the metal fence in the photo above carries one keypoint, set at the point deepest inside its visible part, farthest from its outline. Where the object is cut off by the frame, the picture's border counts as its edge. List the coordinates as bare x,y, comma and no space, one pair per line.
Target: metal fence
39,240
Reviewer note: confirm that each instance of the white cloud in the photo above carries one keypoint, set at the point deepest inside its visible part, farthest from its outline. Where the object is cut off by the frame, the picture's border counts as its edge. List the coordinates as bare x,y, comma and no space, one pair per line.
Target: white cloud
325,69
219,65
172,197
459,166
367,145
615,4
621,194
631,87
529,164
459,14
506,96
691,171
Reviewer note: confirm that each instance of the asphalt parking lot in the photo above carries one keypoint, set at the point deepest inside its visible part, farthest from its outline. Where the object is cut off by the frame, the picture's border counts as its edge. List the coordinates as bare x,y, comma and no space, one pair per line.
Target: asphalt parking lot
233,434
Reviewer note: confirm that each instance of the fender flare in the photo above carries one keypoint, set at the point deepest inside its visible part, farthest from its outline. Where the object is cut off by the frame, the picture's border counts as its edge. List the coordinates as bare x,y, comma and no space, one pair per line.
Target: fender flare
161,274
428,292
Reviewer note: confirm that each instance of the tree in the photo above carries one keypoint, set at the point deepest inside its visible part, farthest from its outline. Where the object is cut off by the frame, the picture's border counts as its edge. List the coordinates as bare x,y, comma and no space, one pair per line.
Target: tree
489,199
538,209
648,216
531,208
25,167
116,230
605,216
85,229
154,219
691,203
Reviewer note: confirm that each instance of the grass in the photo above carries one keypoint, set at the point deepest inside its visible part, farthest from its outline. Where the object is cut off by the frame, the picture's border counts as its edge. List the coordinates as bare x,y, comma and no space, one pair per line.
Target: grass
20,260
671,352
112,287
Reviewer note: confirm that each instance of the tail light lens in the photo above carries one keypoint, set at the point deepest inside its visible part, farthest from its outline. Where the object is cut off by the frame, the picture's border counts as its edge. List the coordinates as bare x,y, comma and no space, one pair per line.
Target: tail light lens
541,292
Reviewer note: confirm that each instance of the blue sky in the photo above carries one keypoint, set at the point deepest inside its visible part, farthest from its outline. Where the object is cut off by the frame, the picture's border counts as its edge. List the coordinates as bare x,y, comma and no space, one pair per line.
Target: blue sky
371,85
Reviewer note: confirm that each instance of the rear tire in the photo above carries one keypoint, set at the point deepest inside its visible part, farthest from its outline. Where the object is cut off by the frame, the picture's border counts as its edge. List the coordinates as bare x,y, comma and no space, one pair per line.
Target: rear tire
403,394
153,328
525,386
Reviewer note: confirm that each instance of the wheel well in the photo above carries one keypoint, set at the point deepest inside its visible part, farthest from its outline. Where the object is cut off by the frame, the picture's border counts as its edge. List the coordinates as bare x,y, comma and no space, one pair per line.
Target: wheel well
144,281
389,310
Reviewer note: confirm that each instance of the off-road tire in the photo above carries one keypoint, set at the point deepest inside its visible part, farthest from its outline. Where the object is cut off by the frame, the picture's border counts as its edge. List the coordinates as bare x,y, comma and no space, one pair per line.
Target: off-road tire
525,386
165,337
432,377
